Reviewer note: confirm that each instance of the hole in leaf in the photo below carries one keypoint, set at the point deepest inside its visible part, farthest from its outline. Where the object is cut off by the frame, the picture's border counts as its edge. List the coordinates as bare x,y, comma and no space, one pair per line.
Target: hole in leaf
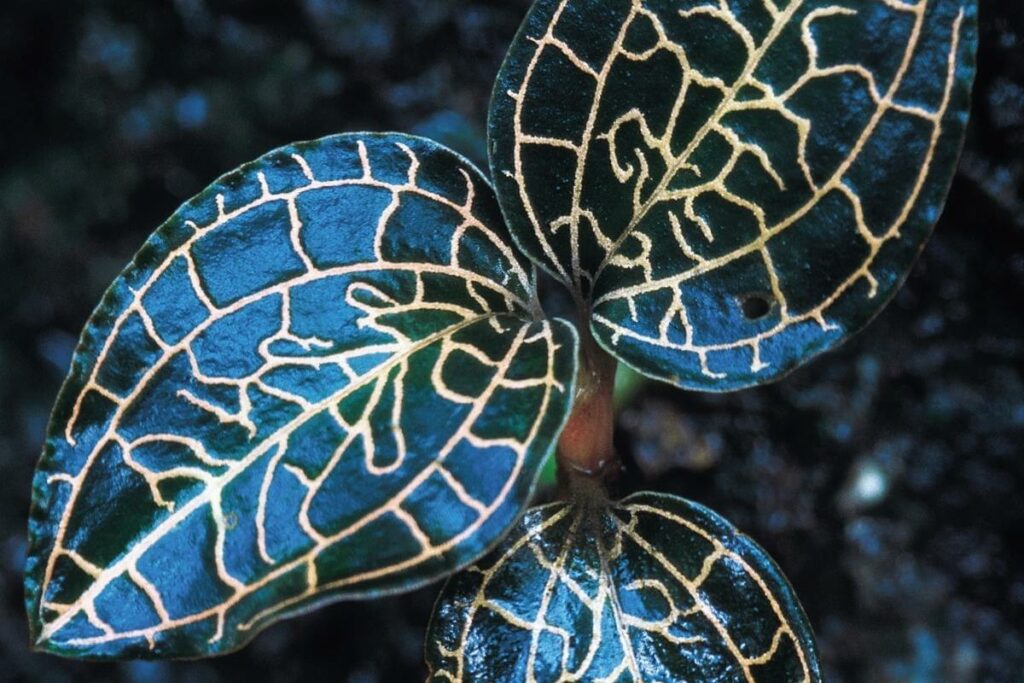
756,306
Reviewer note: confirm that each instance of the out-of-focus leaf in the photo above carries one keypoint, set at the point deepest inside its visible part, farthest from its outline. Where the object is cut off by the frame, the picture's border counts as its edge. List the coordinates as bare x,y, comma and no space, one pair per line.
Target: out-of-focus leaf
326,376
734,186
628,383
654,588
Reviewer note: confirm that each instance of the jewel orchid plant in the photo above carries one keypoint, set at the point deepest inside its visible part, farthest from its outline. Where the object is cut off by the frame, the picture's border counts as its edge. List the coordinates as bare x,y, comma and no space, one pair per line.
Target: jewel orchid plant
330,376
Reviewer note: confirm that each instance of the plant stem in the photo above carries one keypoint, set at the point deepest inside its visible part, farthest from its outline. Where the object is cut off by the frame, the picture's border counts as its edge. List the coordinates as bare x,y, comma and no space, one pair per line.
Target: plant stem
586,446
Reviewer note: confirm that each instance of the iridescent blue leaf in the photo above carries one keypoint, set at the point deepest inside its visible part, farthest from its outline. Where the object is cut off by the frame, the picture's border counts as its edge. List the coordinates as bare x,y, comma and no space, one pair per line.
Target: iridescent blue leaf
654,588
734,186
324,377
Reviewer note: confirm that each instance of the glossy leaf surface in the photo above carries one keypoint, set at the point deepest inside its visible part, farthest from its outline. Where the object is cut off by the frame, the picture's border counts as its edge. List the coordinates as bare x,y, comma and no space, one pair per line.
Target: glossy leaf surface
323,377
654,588
736,185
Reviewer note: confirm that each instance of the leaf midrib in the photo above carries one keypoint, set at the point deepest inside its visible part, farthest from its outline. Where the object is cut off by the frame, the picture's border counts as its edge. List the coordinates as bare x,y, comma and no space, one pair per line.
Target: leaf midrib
125,561
713,120
774,230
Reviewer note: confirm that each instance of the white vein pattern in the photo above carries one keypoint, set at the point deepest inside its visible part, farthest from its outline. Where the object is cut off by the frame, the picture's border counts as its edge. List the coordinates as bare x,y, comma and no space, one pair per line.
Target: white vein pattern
294,458
635,594
657,273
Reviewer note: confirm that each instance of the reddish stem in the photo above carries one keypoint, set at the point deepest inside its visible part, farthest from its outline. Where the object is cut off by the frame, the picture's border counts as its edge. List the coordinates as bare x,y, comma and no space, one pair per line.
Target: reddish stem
585,447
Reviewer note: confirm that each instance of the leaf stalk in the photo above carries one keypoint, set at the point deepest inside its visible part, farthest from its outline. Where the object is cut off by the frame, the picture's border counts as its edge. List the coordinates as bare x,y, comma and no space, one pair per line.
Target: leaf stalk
586,447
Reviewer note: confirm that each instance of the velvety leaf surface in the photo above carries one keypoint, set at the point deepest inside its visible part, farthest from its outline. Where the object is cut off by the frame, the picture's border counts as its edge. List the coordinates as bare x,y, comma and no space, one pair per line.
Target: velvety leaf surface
736,185
654,588
324,377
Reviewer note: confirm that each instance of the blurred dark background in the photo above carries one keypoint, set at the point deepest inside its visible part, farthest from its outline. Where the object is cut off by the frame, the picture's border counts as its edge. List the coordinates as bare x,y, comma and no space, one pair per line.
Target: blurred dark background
887,478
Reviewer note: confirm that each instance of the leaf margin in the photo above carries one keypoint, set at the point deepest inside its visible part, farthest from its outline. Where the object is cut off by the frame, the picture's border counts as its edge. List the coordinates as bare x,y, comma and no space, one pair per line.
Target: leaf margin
98,327
728,535
925,209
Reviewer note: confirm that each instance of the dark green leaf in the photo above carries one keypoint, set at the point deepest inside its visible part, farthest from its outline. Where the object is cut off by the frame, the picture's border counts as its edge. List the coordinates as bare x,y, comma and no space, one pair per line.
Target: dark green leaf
654,588
737,186
326,376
